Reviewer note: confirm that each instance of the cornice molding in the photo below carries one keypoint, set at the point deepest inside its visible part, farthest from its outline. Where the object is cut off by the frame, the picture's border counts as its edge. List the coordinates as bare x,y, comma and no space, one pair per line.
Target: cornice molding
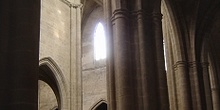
120,13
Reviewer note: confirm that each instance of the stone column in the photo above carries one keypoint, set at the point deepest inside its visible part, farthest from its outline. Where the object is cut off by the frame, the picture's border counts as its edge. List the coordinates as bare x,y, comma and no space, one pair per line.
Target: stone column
197,87
207,88
110,54
123,78
19,54
146,45
137,19
162,78
183,86
214,84
76,77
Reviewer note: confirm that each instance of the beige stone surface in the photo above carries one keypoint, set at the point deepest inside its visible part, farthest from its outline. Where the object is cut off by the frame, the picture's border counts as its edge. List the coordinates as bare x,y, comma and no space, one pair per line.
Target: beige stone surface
55,34
93,72
55,40
47,99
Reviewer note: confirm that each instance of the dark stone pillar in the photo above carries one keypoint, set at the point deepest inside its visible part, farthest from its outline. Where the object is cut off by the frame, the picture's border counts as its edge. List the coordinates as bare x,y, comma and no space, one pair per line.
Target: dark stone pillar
147,61
19,54
197,87
160,62
110,52
183,86
208,96
122,59
214,84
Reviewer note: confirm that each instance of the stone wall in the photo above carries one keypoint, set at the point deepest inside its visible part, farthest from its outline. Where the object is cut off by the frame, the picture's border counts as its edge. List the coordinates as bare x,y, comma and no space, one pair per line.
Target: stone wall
55,40
93,72
55,33
46,97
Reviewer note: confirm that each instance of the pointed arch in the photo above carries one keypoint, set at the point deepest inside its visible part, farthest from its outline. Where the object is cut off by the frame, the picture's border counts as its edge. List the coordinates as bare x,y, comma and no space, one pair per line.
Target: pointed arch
101,102
50,73
175,39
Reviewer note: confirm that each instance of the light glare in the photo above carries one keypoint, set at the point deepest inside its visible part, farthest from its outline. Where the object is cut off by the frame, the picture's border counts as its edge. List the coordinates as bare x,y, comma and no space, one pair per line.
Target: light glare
99,42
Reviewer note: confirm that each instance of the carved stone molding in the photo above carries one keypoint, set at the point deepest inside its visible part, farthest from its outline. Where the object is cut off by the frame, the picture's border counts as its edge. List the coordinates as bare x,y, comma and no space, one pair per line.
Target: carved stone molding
141,14
180,64
72,4
58,76
193,64
76,5
66,2
120,13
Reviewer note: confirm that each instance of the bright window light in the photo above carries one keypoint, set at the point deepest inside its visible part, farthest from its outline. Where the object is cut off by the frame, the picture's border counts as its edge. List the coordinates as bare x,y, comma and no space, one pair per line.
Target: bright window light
165,55
99,42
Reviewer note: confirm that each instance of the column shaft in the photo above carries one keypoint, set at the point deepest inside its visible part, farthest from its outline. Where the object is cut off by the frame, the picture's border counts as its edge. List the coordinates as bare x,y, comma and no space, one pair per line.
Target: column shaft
19,54
183,86
147,61
110,56
122,60
214,85
76,78
136,62
206,81
162,80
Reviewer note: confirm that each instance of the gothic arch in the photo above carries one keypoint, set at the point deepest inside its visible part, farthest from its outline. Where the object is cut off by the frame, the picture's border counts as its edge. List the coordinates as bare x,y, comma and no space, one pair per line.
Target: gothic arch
89,7
50,73
175,40
206,26
97,104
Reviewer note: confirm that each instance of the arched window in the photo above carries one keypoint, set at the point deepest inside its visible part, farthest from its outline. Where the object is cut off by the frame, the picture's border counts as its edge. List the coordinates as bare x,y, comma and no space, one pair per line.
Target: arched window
99,42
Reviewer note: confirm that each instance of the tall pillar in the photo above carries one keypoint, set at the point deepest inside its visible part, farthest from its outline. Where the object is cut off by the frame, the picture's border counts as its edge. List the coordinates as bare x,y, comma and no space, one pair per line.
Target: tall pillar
207,88
197,87
144,57
122,60
160,62
133,77
122,78
110,56
19,54
214,84
146,45
171,81
137,26
183,86
76,78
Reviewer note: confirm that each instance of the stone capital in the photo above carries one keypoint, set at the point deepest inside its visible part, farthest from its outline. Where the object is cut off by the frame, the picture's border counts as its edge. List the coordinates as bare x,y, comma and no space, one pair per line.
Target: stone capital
120,13
76,5
72,5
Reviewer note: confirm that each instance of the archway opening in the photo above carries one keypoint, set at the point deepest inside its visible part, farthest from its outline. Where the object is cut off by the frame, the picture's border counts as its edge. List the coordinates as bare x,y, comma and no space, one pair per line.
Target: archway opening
46,97
102,106
49,96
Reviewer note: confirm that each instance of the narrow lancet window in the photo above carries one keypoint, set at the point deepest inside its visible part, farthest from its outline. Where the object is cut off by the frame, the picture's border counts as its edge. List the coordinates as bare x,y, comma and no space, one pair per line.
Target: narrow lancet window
99,42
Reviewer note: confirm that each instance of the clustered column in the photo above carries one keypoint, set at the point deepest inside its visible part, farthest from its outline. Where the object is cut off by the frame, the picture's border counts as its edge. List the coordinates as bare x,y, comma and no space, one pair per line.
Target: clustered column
134,81
207,87
160,62
214,84
19,54
182,86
